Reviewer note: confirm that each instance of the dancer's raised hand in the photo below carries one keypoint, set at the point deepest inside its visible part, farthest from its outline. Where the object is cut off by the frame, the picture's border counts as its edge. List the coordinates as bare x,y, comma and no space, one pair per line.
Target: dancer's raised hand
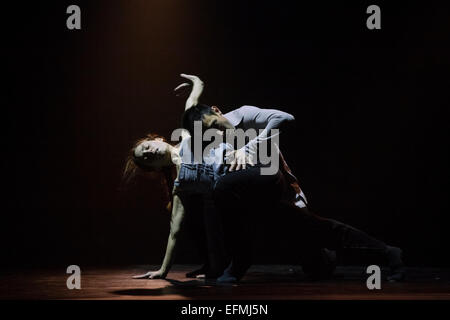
191,77
197,89
181,90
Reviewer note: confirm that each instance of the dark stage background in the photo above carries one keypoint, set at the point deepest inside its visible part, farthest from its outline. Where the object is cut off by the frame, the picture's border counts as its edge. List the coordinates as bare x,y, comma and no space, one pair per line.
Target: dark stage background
370,149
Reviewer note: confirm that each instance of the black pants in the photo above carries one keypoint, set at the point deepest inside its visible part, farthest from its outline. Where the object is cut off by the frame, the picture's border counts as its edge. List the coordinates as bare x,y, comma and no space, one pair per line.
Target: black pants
205,228
243,195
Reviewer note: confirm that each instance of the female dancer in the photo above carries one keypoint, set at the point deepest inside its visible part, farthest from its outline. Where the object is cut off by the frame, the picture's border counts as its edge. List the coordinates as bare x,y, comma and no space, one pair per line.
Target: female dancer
225,189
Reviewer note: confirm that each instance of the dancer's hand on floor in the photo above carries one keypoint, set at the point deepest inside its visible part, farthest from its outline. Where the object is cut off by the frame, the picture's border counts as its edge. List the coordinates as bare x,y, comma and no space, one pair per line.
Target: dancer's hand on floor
151,275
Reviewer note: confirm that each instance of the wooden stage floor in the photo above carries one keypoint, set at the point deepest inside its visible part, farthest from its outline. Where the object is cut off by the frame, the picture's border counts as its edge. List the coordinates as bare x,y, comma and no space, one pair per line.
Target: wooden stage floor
263,282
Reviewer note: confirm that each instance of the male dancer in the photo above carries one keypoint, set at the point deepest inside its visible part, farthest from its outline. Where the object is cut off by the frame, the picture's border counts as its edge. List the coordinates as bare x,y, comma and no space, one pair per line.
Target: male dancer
238,193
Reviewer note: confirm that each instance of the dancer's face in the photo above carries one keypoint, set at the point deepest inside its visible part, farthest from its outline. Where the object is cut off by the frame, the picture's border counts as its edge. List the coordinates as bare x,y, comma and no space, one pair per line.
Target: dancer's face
216,120
153,153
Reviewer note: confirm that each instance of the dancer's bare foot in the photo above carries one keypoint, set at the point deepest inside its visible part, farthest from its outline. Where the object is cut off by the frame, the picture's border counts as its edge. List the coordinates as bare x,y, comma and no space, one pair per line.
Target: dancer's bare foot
198,273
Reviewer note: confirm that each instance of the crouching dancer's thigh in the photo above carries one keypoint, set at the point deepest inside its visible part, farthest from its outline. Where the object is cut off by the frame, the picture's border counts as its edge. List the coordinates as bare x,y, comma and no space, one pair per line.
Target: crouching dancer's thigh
248,186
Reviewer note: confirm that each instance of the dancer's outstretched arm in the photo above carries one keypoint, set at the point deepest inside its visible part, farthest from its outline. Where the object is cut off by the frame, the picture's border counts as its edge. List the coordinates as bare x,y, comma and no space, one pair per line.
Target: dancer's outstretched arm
175,228
264,118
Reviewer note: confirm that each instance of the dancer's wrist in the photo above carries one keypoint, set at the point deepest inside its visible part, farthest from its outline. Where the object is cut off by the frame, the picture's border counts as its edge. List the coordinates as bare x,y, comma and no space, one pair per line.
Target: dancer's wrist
163,271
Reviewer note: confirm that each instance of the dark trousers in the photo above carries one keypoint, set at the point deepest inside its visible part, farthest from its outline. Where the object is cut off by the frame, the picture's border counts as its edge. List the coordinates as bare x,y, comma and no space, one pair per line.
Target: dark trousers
205,227
242,196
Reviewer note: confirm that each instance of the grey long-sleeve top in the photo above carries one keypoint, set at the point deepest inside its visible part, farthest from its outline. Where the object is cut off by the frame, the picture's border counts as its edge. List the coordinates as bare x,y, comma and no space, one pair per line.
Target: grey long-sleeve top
247,117
202,177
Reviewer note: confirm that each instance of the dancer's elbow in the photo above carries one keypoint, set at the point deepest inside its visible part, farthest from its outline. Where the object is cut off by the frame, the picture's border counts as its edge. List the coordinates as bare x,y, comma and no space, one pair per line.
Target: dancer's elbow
289,117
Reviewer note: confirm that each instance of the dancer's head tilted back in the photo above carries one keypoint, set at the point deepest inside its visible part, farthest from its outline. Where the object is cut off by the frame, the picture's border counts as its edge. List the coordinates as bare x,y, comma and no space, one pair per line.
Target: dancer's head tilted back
151,154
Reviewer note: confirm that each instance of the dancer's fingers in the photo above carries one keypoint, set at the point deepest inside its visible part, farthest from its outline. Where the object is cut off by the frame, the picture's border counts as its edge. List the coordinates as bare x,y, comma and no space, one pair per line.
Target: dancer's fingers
142,276
230,156
188,76
233,165
183,85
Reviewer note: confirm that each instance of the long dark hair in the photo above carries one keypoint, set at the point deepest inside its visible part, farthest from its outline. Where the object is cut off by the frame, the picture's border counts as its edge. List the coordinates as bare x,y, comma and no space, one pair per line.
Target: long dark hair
133,168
